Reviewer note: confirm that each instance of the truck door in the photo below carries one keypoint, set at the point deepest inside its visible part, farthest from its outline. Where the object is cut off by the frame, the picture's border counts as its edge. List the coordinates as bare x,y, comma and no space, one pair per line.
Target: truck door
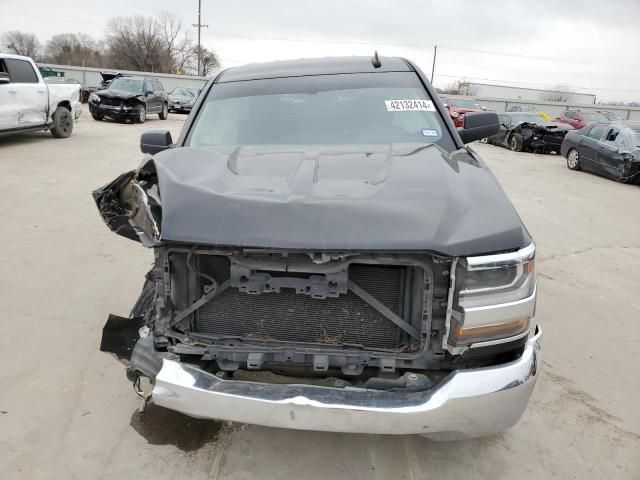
29,92
8,105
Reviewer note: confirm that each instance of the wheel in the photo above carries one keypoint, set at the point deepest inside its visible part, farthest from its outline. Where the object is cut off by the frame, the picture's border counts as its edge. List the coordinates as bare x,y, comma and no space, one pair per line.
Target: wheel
141,114
515,143
573,160
62,123
97,117
164,113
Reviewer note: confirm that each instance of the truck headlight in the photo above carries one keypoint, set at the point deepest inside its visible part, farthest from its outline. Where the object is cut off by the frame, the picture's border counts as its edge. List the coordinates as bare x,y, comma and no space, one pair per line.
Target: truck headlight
494,297
94,98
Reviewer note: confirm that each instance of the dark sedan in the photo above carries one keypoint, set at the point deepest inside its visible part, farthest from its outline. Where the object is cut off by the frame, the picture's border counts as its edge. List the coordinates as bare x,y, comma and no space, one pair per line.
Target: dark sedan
525,131
608,149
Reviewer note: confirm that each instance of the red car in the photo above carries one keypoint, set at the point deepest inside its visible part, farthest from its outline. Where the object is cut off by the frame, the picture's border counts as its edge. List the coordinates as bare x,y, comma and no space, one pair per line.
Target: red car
578,119
458,106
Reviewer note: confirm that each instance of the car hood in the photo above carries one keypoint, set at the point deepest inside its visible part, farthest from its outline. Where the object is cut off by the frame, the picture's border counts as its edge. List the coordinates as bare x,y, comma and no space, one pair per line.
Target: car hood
380,197
117,94
181,98
554,126
557,126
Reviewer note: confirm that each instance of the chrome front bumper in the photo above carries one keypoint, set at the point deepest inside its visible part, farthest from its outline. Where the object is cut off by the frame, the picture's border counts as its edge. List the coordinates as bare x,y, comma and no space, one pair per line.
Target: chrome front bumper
468,403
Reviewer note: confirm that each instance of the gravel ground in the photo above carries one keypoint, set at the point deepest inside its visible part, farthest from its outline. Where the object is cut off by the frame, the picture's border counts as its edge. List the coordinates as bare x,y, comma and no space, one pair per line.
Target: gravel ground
67,410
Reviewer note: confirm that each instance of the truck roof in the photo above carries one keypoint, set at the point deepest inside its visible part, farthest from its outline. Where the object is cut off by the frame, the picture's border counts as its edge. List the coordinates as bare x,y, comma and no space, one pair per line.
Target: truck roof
312,66
15,57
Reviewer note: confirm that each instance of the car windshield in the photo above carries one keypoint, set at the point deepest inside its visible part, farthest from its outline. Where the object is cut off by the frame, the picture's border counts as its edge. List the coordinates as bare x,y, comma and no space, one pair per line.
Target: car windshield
526,117
183,91
594,117
127,85
613,116
458,103
361,108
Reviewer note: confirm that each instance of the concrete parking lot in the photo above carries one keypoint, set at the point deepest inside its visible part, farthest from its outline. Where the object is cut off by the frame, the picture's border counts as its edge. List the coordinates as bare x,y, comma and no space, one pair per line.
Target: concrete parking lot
67,410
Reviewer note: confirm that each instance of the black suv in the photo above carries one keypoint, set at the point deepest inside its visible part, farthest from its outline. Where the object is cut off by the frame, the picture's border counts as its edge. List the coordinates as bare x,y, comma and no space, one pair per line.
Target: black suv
130,98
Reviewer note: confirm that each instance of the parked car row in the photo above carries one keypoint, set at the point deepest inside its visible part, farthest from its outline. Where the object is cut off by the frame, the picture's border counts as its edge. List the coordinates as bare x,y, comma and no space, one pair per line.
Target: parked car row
133,98
608,148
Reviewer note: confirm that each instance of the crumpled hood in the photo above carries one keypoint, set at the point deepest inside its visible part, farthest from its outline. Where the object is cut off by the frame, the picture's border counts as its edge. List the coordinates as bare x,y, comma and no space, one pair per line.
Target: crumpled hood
556,126
379,197
117,94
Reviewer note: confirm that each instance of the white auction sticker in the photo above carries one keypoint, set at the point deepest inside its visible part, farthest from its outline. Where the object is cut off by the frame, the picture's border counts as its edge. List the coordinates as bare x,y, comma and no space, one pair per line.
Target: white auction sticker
409,105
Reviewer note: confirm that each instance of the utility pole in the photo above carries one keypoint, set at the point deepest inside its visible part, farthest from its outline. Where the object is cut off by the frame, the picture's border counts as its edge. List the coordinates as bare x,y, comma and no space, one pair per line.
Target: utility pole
433,67
199,25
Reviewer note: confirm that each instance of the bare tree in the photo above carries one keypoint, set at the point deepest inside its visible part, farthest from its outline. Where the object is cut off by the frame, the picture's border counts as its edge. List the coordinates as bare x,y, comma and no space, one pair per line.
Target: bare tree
20,43
158,44
559,93
178,44
135,43
74,49
462,87
210,61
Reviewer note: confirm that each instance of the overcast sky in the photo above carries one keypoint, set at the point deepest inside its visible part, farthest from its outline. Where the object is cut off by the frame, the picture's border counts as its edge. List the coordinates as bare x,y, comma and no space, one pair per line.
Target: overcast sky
593,46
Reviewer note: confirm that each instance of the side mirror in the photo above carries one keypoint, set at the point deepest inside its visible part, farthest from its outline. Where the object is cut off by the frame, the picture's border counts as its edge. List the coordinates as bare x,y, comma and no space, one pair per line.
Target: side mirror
4,78
149,92
479,125
154,141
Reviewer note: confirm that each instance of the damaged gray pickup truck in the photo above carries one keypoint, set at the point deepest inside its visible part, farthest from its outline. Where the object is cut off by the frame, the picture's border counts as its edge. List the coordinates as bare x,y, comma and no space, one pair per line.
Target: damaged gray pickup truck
328,255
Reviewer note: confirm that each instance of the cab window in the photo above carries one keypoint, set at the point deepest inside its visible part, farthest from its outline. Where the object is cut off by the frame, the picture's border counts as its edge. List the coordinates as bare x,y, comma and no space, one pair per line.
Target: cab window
21,71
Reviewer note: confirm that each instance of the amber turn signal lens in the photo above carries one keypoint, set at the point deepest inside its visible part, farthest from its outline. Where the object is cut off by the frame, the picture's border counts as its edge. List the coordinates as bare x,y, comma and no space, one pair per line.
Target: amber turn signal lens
529,266
462,332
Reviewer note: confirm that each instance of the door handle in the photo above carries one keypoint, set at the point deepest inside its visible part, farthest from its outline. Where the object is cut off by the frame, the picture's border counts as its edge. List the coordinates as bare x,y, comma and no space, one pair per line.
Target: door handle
41,91
601,148
13,92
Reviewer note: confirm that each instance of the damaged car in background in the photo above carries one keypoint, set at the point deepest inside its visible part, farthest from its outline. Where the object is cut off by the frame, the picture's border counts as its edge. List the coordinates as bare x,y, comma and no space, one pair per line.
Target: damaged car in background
528,132
327,255
129,98
608,149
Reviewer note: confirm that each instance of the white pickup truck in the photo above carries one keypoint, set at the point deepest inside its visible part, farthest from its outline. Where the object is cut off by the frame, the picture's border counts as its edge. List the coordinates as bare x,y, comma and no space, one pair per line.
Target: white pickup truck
28,104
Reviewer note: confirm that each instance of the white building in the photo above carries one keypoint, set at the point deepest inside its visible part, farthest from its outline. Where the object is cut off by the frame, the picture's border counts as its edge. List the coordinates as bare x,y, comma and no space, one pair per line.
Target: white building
486,90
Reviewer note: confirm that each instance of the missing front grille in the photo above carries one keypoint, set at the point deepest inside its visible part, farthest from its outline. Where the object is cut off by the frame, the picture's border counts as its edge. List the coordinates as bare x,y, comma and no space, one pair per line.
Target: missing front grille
290,315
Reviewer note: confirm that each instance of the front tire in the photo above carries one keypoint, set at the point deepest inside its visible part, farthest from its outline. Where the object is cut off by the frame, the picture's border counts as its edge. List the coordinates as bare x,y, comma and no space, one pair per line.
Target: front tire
164,113
141,114
573,160
515,143
62,123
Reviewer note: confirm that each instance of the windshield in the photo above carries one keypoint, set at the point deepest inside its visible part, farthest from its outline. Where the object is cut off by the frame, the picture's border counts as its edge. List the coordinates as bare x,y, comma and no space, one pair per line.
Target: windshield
458,103
127,85
183,91
526,117
633,135
612,116
361,108
594,117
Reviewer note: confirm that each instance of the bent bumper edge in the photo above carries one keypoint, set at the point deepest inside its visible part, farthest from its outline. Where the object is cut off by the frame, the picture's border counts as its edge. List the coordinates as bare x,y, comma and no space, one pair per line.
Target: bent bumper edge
468,403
